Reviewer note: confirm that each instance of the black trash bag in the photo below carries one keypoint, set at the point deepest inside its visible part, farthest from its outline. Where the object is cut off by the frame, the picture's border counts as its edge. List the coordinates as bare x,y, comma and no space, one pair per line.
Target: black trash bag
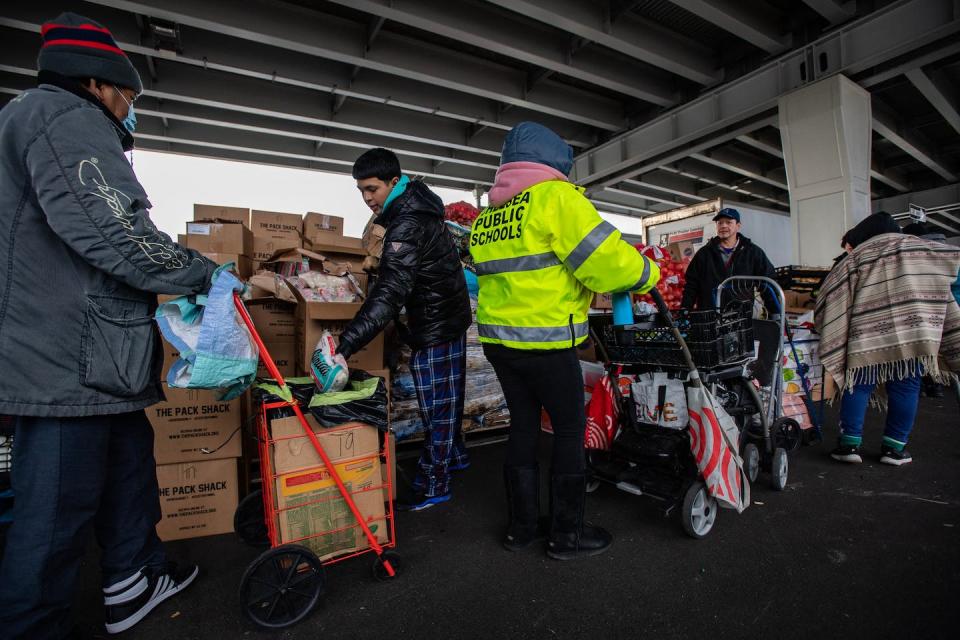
265,392
370,409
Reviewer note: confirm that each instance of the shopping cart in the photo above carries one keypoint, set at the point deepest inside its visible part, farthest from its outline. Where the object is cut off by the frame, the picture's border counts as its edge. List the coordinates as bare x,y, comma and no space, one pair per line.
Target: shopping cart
767,436
708,349
284,583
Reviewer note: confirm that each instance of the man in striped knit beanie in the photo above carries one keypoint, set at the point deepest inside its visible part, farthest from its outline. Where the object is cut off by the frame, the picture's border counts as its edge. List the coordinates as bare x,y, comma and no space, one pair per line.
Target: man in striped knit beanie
81,266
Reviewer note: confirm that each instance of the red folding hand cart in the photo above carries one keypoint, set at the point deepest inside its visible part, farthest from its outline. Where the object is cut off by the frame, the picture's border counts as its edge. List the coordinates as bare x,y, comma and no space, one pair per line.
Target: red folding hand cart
282,586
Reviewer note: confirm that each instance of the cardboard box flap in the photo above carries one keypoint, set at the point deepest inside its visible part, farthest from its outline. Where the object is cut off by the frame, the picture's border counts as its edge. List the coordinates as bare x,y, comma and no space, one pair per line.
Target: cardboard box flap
313,310
274,286
345,245
372,239
220,213
312,258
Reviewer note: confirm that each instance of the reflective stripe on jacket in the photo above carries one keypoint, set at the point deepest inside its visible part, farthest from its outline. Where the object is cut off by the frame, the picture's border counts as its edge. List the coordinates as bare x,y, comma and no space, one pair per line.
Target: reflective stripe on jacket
539,257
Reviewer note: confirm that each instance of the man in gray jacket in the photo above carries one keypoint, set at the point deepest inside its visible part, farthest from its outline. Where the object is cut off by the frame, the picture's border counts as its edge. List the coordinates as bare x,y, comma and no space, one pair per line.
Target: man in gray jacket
80,266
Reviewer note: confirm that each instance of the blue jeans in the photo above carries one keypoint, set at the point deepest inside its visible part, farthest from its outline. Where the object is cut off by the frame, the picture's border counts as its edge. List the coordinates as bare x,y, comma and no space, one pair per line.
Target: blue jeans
902,396
67,473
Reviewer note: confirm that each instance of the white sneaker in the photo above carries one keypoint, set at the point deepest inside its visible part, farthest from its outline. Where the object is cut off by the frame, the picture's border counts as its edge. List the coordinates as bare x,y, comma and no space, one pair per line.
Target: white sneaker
128,602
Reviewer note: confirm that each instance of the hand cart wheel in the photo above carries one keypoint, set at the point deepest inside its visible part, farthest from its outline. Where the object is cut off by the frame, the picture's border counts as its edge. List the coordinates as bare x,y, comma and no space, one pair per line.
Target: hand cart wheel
281,587
248,520
380,571
751,461
787,434
779,468
699,511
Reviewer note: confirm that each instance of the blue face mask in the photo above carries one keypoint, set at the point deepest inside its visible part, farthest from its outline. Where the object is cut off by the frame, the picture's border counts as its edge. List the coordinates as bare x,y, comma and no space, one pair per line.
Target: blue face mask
130,122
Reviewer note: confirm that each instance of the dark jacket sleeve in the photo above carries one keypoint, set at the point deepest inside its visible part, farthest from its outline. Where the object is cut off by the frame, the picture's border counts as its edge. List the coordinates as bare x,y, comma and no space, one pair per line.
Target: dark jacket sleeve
94,203
398,268
764,268
691,290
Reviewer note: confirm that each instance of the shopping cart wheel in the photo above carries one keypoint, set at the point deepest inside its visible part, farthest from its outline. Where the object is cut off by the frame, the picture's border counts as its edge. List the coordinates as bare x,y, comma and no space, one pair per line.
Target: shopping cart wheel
281,587
779,468
787,434
699,511
751,461
380,571
248,521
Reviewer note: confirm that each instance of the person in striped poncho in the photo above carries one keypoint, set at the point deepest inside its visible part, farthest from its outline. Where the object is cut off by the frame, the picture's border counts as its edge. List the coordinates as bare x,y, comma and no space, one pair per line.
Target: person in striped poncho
886,316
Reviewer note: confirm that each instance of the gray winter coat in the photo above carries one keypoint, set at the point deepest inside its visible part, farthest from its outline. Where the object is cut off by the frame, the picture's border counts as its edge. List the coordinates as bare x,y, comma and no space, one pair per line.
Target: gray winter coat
80,263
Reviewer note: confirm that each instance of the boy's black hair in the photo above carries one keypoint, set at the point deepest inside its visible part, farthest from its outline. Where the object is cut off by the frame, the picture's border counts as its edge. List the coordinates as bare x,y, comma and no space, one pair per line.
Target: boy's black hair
377,163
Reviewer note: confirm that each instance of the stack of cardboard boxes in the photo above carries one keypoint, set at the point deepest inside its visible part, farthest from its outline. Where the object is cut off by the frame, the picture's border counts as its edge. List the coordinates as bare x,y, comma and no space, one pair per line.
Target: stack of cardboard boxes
323,235
223,235
197,440
274,318
273,232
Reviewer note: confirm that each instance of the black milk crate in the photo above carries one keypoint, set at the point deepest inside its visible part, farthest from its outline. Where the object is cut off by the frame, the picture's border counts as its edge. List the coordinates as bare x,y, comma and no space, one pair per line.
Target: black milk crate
715,338
794,278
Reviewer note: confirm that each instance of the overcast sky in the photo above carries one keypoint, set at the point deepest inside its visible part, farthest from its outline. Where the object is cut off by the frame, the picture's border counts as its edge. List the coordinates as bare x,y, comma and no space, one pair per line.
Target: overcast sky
175,182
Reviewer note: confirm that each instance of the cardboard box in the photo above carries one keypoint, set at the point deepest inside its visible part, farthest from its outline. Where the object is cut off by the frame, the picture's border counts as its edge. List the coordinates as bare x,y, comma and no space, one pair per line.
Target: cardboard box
293,451
603,301
337,244
372,238
351,257
284,355
314,262
284,228
217,213
193,419
265,248
241,264
798,302
217,237
275,320
390,479
322,514
681,250
309,330
320,226
197,498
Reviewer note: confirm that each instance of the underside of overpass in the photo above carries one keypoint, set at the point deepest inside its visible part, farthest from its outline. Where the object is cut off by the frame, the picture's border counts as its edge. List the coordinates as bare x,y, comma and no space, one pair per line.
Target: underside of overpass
666,102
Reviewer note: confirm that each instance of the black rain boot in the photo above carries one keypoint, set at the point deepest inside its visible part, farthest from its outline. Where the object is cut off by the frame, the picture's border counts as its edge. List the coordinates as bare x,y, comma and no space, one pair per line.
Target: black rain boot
523,507
570,538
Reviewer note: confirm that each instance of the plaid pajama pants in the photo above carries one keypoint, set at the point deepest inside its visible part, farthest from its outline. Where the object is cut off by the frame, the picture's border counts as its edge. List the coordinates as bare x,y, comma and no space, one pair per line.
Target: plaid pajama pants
439,375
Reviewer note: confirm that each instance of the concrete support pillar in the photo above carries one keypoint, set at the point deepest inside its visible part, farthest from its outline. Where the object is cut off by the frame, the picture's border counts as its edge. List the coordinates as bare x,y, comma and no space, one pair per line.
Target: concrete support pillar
826,132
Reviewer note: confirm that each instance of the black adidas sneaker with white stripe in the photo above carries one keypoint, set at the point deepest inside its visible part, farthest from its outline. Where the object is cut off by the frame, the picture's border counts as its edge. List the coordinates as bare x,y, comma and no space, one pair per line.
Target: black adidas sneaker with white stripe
128,602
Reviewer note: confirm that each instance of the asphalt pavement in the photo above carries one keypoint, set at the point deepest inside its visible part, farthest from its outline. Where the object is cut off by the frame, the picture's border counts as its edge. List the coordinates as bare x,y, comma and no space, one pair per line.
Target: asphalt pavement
845,551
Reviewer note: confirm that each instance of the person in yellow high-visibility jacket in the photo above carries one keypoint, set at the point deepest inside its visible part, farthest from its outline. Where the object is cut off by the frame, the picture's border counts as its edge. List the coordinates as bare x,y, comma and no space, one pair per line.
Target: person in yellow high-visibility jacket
541,250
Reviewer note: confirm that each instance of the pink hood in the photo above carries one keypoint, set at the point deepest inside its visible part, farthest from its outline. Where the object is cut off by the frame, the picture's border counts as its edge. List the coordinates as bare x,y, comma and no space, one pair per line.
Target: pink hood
514,177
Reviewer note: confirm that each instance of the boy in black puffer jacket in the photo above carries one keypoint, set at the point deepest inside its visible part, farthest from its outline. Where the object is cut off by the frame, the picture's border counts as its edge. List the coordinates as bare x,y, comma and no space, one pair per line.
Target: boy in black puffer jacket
419,271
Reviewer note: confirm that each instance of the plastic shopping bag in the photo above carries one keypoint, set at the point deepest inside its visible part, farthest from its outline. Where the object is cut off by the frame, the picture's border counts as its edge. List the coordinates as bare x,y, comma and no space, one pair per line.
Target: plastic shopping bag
602,413
660,400
714,443
216,348
327,367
